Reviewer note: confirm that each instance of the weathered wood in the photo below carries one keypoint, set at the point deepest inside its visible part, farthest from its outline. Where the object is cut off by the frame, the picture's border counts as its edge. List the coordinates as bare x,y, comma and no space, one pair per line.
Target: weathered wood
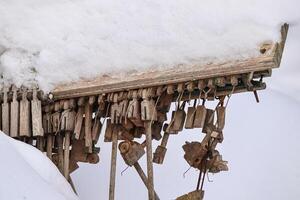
113,165
67,155
108,131
78,151
144,178
47,121
160,152
5,112
40,143
156,130
195,195
200,116
79,118
115,110
36,115
131,152
190,117
148,128
221,111
177,121
88,112
68,118
134,110
60,150
209,120
14,114
96,131
49,145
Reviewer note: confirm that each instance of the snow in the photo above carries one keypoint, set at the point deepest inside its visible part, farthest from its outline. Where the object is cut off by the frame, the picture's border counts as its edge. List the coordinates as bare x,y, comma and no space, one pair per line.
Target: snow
49,42
53,41
28,174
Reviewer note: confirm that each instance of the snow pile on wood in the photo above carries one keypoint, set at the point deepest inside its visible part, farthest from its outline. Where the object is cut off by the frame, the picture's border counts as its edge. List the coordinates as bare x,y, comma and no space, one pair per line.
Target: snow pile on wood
54,41
27,174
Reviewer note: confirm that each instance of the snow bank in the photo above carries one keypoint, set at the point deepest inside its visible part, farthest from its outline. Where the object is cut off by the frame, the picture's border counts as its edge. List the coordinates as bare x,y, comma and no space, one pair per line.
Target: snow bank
52,41
28,174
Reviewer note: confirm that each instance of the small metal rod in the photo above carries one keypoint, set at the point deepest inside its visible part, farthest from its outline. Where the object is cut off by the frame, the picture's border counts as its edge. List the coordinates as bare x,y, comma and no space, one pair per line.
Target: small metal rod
113,165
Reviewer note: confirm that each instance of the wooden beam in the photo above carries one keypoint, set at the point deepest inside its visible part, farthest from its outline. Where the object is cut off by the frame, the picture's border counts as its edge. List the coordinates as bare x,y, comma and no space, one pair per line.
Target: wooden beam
151,193
113,164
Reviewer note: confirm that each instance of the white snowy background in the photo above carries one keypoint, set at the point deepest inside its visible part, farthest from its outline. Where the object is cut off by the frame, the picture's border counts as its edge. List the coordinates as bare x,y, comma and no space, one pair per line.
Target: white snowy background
28,174
50,41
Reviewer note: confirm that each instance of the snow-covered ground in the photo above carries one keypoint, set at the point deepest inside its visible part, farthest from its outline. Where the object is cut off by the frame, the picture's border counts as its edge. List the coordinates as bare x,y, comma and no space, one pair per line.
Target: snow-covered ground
52,41
28,174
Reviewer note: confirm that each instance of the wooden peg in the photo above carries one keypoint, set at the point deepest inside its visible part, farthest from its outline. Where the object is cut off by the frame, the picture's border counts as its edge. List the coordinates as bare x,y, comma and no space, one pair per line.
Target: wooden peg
209,120
180,87
25,128
49,146
88,124
14,114
200,116
101,102
36,114
96,130
177,121
211,85
170,89
68,117
115,111
67,154
191,86
156,130
159,90
191,113
201,84
55,118
161,150
47,124
5,112
220,81
148,111
247,80
60,151
221,111
123,106
108,131
164,103
79,118
134,110
234,81
40,143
